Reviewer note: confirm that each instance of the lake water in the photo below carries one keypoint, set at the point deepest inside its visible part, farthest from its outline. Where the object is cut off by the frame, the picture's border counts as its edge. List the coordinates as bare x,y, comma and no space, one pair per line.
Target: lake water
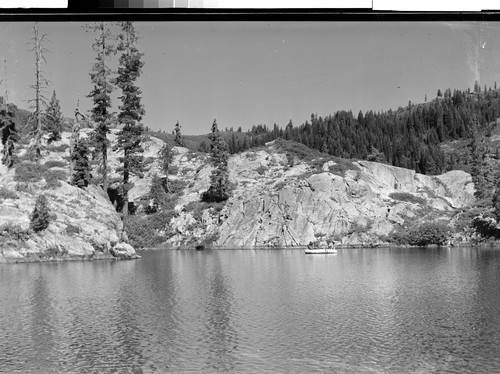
361,311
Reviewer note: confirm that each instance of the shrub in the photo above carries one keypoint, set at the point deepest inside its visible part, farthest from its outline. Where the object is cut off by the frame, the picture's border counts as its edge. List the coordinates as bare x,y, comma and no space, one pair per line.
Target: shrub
252,156
146,231
209,240
299,150
261,170
342,166
29,172
486,227
24,187
14,231
55,164
173,170
358,228
58,148
407,197
422,235
197,207
72,229
5,193
40,217
279,186
53,178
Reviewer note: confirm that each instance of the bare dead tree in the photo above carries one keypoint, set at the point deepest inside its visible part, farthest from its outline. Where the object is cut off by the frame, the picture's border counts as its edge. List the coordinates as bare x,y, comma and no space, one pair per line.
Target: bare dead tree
41,83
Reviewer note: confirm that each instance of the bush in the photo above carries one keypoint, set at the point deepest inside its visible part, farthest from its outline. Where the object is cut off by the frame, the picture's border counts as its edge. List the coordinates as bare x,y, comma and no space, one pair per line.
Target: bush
299,150
197,207
5,193
55,164
261,170
58,148
486,227
53,178
422,235
341,166
407,197
29,172
72,229
14,231
40,217
279,186
24,187
146,231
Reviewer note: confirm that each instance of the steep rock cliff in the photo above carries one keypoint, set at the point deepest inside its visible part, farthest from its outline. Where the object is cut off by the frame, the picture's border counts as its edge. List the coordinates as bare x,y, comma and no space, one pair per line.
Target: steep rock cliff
273,204
83,223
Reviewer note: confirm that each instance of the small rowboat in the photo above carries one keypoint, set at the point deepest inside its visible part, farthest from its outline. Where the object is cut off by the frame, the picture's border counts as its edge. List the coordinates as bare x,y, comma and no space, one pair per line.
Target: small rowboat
321,251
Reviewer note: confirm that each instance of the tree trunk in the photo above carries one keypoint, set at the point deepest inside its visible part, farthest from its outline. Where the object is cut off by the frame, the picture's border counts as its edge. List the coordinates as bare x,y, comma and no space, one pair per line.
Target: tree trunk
105,169
38,119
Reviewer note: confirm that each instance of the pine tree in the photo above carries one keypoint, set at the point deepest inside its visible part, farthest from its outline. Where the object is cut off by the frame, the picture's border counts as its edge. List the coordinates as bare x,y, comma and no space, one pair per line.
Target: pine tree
100,76
8,133
40,217
178,136
130,137
165,156
81,165
54,119
219,180
203,147
496,198
157,195
478,151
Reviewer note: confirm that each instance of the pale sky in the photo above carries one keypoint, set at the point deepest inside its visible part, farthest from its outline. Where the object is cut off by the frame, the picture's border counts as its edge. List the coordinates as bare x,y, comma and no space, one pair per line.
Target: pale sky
249,73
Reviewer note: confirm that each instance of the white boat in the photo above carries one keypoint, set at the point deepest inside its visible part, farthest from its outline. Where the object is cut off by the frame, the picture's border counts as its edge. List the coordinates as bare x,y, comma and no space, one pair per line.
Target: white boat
321,251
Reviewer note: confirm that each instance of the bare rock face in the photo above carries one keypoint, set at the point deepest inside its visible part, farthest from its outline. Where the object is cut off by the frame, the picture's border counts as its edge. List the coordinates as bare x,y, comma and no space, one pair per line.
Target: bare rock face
273,205
83,224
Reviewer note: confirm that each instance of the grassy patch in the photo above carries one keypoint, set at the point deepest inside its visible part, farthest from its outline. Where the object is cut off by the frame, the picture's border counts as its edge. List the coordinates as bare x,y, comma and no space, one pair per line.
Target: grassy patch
58,148
14,231
407,197
29,172
342,166
55,164
5,193
53,178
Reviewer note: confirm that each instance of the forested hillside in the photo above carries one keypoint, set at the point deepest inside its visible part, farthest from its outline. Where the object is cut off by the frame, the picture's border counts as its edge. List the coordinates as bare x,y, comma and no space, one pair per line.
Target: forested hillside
408,137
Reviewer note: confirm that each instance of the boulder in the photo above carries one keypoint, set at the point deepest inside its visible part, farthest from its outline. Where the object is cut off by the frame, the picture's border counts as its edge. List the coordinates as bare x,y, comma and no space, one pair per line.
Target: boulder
124,251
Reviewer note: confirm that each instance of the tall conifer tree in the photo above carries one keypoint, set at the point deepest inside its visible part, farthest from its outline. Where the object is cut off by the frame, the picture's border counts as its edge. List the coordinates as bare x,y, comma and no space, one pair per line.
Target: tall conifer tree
219,180
131,110
100,76
178,136
54,119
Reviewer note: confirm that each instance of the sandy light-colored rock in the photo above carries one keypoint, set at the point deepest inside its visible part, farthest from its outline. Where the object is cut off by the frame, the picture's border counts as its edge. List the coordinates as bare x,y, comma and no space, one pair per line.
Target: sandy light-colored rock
83,222
275,205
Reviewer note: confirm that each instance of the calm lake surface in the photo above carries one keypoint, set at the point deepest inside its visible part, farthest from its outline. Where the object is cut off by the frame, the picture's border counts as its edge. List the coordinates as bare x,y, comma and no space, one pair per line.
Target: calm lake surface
361,311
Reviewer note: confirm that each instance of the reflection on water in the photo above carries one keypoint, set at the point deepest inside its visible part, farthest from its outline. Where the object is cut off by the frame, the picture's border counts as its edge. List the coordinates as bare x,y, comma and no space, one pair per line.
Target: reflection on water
362,311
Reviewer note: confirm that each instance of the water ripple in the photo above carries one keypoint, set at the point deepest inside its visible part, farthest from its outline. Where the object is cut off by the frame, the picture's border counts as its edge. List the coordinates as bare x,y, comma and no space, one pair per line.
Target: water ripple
362,311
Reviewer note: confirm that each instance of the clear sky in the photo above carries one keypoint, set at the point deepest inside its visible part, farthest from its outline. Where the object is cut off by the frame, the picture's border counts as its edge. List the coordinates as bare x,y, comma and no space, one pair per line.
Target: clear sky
249,73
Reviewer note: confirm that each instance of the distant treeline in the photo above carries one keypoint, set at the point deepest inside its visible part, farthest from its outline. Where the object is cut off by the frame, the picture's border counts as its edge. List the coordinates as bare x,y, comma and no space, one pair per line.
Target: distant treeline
408,137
